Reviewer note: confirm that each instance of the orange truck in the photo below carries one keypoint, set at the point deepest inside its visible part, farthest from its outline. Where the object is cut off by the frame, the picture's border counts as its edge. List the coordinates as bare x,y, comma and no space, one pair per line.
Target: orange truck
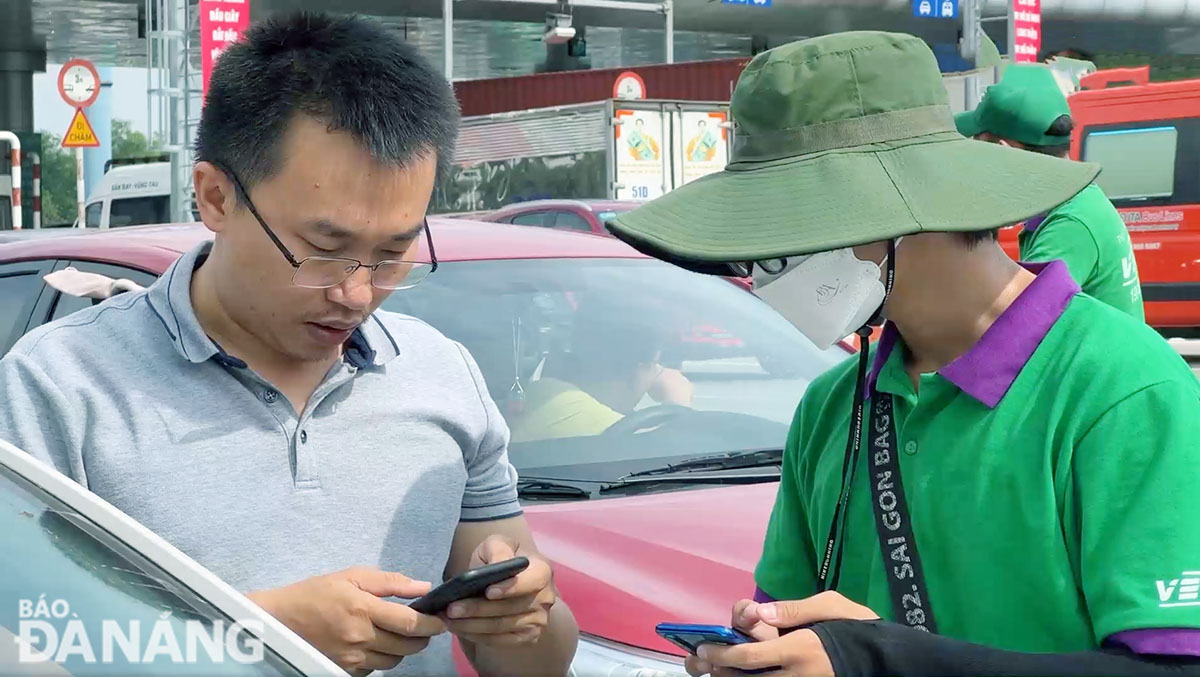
1146,136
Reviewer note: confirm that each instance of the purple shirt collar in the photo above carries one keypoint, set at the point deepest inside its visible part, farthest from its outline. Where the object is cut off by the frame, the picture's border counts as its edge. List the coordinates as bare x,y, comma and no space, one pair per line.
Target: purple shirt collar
1032,223
988,369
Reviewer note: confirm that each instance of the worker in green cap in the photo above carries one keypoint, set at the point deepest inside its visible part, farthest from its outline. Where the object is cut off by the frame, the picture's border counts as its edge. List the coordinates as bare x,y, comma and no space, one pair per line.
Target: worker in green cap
1010,489
1027,110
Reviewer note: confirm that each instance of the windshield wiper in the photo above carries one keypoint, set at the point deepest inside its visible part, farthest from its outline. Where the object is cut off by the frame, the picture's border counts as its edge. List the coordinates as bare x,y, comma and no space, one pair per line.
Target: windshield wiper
755,458
535,488
722,477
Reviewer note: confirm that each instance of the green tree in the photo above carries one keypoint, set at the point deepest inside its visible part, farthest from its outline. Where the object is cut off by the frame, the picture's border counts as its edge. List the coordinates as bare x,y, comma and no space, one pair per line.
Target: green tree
58,169
58,182
129,143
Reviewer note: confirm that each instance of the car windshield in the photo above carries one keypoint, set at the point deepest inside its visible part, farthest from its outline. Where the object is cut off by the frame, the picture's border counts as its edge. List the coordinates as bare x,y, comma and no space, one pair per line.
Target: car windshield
589,359
74,599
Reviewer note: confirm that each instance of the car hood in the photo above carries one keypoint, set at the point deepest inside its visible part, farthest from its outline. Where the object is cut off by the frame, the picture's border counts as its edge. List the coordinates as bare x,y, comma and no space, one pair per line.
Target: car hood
625,565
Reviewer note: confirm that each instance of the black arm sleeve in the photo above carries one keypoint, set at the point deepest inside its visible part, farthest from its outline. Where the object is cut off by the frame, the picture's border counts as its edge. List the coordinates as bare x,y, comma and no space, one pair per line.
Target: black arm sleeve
881,648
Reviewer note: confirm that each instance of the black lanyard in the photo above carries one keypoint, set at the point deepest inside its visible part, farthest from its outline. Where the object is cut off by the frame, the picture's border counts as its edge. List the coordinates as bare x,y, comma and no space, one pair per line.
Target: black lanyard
906,578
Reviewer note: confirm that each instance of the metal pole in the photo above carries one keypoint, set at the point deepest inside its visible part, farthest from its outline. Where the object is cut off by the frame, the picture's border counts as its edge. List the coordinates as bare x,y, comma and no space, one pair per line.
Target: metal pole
177,92
14,145
149,69
1012,31
669,10
80,197
970,50
448,40
185,171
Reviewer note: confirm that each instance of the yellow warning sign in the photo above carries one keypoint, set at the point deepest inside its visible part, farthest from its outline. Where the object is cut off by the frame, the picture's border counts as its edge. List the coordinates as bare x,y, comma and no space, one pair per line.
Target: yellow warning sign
80,134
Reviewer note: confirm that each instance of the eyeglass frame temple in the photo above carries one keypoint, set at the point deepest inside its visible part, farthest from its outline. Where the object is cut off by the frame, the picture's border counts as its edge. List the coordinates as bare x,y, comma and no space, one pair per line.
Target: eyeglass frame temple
283,248
237,183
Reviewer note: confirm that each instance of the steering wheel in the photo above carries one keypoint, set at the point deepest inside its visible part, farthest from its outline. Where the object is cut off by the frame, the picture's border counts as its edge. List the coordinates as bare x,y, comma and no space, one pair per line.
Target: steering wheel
650,417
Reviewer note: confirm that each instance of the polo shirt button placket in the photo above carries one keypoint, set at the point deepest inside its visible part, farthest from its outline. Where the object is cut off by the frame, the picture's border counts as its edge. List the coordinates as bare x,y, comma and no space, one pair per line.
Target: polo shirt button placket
270,396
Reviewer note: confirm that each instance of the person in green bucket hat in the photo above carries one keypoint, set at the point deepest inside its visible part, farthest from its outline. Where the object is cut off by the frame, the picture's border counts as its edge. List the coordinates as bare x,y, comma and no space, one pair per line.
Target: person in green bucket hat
1010,488
1027,110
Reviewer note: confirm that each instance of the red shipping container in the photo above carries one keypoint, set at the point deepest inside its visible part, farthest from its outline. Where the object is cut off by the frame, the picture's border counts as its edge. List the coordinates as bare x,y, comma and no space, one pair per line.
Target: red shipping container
693,81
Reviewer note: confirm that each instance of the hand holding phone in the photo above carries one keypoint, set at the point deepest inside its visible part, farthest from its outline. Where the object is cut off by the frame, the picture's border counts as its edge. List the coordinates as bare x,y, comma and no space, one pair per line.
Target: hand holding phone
689,637
473,583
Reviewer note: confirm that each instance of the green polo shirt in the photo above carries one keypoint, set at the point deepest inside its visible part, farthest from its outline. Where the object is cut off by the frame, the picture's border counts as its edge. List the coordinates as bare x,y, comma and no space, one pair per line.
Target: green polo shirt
1087,232
1051,474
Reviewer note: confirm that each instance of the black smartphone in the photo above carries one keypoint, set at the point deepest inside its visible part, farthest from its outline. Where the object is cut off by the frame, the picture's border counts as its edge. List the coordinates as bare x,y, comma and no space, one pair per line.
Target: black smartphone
473,583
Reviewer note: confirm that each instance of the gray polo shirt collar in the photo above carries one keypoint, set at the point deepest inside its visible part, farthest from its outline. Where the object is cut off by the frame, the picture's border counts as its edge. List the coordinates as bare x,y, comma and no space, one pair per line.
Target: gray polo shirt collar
171,300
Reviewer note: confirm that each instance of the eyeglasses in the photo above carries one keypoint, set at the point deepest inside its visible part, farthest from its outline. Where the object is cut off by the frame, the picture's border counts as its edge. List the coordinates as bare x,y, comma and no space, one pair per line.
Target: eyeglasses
770,267
324,272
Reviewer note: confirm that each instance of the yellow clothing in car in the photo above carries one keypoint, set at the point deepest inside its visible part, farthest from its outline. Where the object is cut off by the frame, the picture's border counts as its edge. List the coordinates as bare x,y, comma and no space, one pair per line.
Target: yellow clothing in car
556,409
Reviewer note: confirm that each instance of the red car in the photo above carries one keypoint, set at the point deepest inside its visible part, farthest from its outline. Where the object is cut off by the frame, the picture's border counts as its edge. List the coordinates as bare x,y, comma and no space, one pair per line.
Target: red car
659,518
584,216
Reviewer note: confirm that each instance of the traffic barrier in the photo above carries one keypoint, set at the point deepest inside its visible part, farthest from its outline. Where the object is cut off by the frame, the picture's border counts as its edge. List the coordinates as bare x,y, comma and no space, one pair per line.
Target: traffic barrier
37,189
14,145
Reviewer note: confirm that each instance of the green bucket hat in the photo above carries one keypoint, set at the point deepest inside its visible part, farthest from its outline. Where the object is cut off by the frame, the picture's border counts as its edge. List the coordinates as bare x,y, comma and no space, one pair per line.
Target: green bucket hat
1021,107
839,141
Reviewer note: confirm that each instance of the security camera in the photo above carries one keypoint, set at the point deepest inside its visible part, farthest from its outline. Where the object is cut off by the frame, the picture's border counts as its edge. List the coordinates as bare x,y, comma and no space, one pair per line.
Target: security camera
558,29
558,35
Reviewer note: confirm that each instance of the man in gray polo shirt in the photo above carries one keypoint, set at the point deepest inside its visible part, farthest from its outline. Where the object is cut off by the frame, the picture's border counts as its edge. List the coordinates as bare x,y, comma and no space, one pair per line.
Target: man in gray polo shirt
256,410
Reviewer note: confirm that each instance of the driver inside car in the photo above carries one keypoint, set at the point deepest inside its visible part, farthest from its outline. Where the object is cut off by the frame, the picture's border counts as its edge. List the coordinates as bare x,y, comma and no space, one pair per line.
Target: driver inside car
612,366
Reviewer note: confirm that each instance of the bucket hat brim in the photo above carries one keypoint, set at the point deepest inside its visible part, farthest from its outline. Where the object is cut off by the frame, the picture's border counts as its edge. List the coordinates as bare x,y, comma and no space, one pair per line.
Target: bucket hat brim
941,182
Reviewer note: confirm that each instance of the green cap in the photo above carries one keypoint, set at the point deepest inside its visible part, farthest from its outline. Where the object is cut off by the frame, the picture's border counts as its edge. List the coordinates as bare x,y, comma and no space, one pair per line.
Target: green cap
1021,107
843,140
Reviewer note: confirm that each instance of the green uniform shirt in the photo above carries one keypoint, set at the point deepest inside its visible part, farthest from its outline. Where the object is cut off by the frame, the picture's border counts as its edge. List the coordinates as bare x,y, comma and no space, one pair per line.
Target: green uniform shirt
1087,232
1051,475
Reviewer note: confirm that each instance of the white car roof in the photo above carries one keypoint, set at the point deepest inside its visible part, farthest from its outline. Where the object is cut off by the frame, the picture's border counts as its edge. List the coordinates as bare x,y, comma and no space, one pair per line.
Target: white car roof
151,178
203,582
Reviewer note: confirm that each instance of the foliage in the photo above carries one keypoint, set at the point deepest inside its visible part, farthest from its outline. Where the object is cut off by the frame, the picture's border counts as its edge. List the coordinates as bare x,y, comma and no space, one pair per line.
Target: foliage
58,169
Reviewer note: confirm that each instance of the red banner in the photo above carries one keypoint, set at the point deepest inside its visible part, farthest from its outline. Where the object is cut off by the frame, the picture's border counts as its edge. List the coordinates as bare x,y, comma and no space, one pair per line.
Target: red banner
221,23
1027,30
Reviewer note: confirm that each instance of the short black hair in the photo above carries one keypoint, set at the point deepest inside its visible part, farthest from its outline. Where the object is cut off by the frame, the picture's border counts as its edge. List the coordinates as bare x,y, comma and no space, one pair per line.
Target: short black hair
1061,127
351,73
609,339
975,238
1069,52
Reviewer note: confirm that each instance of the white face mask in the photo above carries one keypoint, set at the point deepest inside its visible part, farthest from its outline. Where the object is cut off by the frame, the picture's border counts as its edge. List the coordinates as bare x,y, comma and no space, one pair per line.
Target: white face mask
827,296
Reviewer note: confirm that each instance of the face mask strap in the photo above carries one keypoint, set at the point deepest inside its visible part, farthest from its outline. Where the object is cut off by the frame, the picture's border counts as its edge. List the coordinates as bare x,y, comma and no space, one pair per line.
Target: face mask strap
890,279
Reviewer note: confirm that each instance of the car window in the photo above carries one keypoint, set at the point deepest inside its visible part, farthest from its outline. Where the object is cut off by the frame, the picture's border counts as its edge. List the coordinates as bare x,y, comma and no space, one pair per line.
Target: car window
75,580
571,221
65,304
20,285
1146,163
91,217
530,219
139,211
567,348
1138,163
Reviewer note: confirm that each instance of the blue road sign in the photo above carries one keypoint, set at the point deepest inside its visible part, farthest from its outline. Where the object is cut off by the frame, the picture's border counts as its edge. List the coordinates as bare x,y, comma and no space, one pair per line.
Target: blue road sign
936,9
751,3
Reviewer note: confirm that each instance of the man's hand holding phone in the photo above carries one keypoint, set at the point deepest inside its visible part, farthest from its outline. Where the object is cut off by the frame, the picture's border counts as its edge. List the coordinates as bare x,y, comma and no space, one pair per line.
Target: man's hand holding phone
514,611
343,616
